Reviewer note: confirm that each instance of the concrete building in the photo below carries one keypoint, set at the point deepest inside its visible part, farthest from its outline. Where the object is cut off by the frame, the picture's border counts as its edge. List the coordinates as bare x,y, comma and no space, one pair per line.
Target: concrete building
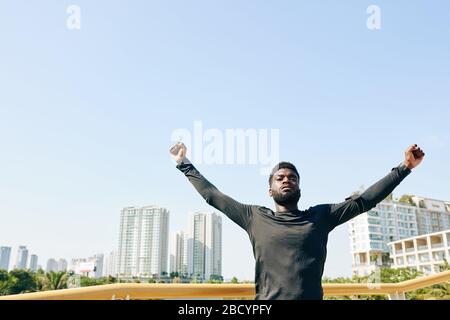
52,265
426,253
143,242
5,255
22,258
390,221
205,251
33,263
179,253
62,265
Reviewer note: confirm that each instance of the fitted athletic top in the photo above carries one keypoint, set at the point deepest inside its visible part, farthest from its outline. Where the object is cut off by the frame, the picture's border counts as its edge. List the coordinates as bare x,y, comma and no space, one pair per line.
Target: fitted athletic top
290,248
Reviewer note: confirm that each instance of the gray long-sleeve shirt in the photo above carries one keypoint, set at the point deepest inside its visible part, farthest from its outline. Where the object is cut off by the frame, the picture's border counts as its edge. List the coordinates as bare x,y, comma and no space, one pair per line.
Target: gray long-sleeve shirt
290,248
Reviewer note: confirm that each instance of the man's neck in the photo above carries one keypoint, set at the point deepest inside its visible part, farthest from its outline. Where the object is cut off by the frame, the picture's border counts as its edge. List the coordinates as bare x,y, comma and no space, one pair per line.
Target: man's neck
285,208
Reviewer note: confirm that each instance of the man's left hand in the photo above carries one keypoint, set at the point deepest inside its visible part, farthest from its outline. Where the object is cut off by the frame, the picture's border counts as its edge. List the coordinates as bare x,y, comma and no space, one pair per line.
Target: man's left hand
413,156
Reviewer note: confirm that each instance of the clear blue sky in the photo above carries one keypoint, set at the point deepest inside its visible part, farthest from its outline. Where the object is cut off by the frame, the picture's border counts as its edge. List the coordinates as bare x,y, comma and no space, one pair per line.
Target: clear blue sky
86,115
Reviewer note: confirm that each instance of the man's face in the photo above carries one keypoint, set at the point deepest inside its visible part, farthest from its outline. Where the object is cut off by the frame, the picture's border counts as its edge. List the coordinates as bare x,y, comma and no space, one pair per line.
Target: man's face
284,187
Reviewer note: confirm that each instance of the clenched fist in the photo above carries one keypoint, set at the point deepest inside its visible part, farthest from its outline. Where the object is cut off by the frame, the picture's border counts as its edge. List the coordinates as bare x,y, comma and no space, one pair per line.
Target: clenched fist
413,156
178,151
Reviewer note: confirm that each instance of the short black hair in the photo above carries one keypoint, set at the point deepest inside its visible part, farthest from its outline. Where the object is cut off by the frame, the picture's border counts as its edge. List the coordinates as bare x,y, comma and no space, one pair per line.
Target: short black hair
283,165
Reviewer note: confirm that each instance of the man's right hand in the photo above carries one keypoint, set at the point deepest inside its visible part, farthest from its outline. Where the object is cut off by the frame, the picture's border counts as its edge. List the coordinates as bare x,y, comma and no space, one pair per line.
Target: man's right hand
178,152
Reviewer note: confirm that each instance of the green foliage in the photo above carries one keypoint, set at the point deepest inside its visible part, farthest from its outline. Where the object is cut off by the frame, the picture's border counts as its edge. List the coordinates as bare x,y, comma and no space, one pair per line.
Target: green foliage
194,280
55,280
385,275
445,266
21,281
388,275
6,282
407,198
109,280
215,278
88,282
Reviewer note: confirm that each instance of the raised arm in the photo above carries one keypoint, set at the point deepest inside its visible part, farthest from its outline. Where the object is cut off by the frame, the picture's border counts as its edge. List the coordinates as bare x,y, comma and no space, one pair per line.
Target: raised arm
236,211
342,212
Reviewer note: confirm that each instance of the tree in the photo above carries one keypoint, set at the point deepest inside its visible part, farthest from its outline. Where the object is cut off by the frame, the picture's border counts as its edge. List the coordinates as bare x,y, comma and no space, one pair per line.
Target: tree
445,266
407,198
40,280
194,280
389,275
234,280
55,280
22,281
87,282
6,283
215,278
110,279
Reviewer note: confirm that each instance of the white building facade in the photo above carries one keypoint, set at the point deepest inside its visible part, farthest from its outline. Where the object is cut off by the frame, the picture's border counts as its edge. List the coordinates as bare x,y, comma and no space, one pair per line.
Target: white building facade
426,253
110,265
204,245
179,257
33,263
22,258
390,221
5,255
143,242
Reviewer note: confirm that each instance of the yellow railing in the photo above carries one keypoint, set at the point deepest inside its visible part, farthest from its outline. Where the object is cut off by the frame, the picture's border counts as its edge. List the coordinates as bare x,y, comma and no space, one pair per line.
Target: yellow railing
186,291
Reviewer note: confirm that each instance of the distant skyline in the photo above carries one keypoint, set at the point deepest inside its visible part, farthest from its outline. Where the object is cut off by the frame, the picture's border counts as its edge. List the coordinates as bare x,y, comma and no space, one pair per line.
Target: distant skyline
87,116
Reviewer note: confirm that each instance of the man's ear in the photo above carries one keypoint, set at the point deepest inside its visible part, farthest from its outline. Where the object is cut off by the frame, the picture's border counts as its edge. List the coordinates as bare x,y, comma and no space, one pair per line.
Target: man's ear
270,192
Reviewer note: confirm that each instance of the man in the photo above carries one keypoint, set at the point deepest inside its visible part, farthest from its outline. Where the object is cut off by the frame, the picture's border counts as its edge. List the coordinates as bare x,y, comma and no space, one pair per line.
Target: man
289,244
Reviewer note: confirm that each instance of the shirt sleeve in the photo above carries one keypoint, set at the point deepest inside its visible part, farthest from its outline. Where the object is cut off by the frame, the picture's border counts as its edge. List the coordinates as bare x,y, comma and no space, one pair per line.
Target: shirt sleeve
236,211
339,213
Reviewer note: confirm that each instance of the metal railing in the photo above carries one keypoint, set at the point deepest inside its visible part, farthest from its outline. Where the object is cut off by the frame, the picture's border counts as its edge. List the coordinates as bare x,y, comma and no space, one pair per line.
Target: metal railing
136,291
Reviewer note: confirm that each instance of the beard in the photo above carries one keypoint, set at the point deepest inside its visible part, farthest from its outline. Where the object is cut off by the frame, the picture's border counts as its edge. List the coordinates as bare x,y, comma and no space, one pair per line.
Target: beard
287,198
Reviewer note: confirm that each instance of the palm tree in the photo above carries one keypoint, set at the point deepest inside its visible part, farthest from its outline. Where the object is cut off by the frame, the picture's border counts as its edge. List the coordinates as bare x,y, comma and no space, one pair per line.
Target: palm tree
55,280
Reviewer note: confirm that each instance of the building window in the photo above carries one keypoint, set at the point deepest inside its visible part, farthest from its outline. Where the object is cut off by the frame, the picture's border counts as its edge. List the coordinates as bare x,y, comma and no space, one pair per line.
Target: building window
424,257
